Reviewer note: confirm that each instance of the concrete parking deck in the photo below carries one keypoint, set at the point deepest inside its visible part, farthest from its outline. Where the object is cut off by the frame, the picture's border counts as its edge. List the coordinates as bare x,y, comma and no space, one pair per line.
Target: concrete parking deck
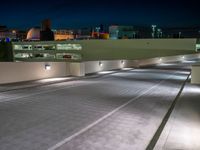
182,131
119,111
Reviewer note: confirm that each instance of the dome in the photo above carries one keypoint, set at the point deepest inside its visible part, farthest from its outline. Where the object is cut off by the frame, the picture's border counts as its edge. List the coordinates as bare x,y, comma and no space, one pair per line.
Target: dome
33,34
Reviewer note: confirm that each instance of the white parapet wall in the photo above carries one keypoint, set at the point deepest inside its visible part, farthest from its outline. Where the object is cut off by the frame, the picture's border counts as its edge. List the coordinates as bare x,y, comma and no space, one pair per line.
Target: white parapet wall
26,71
158,60
96,66
195,76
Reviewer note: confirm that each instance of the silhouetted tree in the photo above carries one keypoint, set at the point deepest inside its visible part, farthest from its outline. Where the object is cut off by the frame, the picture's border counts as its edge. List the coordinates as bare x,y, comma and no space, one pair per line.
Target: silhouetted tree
6,53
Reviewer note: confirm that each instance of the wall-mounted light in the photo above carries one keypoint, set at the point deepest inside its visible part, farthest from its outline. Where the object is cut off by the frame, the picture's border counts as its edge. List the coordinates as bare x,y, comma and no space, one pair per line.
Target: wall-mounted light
100,64
183,57
122,62
47,67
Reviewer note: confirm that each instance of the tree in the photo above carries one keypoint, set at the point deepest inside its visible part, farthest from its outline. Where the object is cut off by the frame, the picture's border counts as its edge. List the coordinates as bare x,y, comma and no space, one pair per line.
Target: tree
6,53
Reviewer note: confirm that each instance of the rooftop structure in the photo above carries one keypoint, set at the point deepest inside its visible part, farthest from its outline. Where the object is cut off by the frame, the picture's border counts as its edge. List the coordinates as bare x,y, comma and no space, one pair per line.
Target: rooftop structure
43,51
7,34
122,32
33,34
86,50
60,35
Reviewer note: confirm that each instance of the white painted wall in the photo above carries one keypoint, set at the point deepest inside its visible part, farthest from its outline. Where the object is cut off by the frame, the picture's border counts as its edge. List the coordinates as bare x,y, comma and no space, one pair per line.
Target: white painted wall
25,71
166,59
94,66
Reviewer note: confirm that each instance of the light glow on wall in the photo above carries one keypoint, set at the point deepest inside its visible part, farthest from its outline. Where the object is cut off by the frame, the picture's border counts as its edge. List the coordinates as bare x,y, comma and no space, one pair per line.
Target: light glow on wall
100,64
54,79
106,72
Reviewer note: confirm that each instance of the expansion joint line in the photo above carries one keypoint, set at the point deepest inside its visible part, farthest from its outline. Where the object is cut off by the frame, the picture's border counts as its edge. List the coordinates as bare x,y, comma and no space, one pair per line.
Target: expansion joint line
157,134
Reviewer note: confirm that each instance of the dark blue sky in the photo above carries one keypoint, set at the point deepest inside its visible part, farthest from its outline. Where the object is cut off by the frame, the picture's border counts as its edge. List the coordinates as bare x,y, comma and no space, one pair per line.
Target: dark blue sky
81,13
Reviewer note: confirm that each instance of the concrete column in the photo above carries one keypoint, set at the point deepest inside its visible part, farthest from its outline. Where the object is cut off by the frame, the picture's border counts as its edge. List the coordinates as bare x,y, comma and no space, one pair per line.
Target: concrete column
195,77
77,69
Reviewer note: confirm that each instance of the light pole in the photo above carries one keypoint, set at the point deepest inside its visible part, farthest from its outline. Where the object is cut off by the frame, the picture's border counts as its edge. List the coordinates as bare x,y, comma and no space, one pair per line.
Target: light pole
153,30
134,33
179,35
117,34
159,34
97,30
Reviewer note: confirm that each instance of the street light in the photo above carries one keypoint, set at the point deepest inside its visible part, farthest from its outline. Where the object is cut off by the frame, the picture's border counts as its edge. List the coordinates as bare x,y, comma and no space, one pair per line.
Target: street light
117,34
179,35
97,30
134,33
153,30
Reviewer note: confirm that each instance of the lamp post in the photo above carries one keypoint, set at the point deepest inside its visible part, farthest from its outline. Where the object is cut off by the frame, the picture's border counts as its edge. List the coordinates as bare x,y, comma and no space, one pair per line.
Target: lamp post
117,34
153,30
179,35
159,33
134,33
97,30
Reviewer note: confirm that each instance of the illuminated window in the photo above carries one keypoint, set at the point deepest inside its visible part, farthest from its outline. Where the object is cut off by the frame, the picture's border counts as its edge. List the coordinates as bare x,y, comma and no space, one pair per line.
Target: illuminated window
69,47
68,56
23,55
22,47
197,47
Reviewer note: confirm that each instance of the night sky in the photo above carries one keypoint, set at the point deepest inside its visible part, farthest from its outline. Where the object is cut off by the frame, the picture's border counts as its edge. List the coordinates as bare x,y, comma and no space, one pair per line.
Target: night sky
85,13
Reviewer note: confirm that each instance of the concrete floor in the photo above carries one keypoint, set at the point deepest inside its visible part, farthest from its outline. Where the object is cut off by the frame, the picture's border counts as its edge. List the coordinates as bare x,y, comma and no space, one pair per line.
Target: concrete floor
119,111
182,131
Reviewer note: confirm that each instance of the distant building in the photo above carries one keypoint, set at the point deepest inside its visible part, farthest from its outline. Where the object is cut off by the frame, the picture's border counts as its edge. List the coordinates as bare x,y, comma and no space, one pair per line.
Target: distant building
21,35
33,34
7,34
46,24
121,32
100,35
46,34
60,35
182,32
47,51
83,33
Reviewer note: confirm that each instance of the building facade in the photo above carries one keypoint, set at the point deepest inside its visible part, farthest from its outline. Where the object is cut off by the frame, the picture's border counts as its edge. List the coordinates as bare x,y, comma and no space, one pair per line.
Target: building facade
60,35
122,32
46,51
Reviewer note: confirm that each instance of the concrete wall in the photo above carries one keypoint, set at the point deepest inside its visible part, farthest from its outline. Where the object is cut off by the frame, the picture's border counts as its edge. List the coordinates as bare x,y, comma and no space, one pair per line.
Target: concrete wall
94,66
19,71
135,48
195,76
128,49
157,60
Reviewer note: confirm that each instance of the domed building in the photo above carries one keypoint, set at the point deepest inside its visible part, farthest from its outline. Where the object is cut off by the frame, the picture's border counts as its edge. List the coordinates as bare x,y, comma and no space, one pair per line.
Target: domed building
33,34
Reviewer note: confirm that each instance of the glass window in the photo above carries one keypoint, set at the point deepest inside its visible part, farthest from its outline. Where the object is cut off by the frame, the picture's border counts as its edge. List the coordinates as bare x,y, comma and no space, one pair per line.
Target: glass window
22,47
69,47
